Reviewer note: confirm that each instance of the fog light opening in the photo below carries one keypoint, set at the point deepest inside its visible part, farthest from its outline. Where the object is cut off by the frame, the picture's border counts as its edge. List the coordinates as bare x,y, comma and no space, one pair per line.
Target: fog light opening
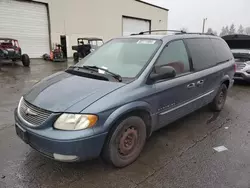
66,158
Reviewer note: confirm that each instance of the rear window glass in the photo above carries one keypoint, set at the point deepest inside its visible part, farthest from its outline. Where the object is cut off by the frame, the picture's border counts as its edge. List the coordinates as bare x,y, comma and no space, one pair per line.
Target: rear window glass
222,50
202,52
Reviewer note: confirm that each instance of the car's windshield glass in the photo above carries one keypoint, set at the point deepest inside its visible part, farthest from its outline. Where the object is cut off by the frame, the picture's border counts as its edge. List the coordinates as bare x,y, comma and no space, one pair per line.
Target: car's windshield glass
6,43
99,43
126,57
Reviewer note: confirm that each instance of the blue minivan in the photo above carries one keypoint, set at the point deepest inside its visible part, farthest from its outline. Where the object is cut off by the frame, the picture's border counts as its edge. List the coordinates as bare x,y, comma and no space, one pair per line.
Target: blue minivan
110,102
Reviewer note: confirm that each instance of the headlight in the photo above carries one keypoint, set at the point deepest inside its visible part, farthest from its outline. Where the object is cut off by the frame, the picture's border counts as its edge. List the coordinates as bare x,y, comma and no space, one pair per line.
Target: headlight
73,122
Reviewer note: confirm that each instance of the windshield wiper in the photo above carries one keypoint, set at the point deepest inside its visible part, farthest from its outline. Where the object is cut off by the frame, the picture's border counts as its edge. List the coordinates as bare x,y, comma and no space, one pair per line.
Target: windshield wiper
116,76
95,68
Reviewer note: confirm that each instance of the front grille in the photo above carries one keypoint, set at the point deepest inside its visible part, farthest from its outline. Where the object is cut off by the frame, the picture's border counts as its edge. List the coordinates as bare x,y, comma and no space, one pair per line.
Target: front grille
11,54
33,115
240,66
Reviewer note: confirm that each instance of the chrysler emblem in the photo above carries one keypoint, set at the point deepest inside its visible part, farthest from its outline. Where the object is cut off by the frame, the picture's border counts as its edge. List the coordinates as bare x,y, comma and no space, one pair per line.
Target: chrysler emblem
29,112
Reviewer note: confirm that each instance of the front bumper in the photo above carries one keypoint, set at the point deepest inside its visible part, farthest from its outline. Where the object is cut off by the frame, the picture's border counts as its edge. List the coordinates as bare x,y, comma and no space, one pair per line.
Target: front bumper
11,55
83,148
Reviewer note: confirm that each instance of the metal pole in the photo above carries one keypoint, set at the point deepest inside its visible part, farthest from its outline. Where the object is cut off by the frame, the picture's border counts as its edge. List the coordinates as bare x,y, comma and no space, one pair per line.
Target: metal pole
204,23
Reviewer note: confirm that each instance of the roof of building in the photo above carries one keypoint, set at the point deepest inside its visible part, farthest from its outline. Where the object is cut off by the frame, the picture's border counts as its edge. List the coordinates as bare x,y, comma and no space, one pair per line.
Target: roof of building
152,5
7,39
89,38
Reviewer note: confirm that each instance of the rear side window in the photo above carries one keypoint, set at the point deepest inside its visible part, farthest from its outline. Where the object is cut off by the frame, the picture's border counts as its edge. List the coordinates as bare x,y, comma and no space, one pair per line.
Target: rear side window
202,52
222,50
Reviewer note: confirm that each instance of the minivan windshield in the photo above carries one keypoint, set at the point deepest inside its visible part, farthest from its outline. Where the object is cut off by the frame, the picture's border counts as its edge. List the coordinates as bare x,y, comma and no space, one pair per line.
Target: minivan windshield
124,57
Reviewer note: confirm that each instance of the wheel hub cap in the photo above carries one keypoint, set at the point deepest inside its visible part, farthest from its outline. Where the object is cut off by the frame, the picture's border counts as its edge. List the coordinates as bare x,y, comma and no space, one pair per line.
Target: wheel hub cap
221,97
128,141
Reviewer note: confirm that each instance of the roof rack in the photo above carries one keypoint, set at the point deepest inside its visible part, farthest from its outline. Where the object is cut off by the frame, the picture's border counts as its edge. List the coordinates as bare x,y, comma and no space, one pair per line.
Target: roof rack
152,31
196,33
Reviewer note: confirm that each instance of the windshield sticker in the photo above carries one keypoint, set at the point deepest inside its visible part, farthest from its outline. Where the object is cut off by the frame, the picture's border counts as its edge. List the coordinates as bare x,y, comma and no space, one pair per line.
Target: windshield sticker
102,71
146,41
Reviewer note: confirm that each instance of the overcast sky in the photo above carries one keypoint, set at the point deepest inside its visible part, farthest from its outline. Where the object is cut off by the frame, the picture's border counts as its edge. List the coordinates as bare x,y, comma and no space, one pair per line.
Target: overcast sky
189,13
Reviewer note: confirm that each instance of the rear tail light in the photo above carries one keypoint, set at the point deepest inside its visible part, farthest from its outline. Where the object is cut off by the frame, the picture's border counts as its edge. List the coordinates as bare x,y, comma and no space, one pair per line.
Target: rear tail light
235,67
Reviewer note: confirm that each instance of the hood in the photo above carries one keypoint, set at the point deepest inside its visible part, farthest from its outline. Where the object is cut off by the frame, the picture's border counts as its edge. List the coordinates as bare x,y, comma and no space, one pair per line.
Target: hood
63,92
238,41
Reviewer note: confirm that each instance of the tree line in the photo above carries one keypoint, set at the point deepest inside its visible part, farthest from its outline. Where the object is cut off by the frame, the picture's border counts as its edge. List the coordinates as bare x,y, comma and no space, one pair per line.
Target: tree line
230,30
227,30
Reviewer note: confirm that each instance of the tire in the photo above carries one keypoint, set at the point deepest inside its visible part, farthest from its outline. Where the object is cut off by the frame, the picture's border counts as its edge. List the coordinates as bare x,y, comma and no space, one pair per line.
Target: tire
125,142
76,57
220,99
26,60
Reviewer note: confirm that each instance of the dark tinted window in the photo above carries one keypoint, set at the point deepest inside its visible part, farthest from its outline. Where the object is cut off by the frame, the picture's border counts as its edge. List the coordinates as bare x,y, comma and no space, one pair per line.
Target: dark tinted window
175,55
222,50
202,52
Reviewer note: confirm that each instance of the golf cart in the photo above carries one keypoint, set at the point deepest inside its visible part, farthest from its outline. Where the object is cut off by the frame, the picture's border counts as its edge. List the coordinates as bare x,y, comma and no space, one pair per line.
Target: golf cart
85,46
10,49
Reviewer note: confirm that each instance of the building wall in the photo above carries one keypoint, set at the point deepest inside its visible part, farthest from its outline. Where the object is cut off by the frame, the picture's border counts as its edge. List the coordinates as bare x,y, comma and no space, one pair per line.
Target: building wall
98,18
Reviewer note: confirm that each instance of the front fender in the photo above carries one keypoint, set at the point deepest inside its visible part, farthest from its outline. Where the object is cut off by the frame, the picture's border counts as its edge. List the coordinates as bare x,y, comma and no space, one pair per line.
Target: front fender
122,111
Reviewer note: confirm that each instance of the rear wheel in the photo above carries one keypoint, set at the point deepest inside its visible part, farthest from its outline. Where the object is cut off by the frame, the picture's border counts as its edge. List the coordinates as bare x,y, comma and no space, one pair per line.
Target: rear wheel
125,142
220,99
76,57
25,60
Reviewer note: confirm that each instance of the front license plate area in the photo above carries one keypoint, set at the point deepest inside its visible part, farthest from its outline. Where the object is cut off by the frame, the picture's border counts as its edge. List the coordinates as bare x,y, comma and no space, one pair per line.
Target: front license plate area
22,133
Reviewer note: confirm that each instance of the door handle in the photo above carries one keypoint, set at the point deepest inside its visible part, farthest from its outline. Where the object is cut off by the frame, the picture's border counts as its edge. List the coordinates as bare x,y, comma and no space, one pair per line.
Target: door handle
192,85
200,83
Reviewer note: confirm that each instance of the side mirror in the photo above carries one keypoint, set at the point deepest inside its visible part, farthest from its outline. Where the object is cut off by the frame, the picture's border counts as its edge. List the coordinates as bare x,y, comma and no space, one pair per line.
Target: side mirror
162,73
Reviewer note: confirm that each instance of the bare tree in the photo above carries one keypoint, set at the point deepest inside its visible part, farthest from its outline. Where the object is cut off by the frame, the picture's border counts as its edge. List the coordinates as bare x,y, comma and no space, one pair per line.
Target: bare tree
211,31
224,31
247,30
185,29
232,29
241,30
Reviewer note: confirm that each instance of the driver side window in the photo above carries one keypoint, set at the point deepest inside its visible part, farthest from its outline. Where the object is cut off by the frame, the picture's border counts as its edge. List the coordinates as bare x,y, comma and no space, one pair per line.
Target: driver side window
176,56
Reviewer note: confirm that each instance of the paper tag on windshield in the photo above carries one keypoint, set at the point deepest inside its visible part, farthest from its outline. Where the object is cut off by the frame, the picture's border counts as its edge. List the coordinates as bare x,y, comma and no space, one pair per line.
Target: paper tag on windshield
102,71
146,42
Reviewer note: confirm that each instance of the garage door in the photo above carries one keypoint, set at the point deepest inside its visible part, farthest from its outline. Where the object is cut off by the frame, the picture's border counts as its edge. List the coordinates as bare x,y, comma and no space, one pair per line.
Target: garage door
132,25
27,22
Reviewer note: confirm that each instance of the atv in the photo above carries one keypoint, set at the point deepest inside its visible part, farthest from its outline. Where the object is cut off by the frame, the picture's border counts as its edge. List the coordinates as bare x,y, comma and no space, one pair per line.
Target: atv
10,49
85,46
56,55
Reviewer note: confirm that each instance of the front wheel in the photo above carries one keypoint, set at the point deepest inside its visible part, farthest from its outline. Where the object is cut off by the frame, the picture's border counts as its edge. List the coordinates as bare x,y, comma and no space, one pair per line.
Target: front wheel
26,60
220,99
125,142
